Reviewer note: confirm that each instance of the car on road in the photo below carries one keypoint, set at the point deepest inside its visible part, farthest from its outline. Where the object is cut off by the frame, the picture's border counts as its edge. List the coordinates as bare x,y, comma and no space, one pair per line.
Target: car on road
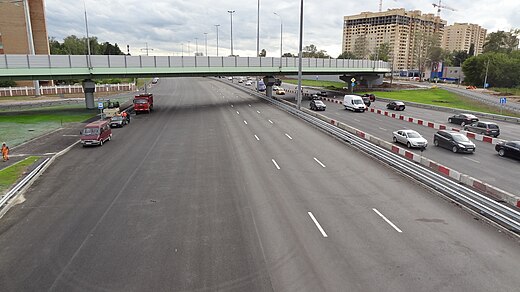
317,105
371,96
484,128
322,93
410,138
230,78
453,140
396,105
508,148
280,91
118,122
354,103
366,100
462,119
155,80
96,133
248,83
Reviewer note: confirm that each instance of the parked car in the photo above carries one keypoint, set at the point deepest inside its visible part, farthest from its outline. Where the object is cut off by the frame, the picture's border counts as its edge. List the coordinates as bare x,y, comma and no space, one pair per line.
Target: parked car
396,105
280,91
453,140
322,93
484,128
411,138
317,105
511,149
118,121
370,96
96,133
462,119
366,100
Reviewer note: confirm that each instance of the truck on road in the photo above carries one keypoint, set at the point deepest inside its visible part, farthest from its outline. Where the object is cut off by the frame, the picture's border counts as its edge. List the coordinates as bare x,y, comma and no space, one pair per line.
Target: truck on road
143,103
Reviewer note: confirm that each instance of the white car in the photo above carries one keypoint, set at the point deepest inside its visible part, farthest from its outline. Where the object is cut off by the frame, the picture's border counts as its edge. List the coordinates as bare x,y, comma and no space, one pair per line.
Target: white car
248,83
411,138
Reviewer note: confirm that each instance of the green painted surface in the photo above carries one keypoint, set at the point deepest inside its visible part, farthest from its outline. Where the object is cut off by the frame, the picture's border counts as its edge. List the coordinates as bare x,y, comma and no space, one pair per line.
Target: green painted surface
10,174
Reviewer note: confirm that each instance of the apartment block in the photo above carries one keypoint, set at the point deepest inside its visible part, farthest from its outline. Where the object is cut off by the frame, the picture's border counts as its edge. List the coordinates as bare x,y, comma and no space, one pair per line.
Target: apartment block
460,36
399,28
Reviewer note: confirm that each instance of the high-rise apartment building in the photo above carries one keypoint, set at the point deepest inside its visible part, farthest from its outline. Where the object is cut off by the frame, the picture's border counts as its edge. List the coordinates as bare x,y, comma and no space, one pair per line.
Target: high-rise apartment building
401,29
460,36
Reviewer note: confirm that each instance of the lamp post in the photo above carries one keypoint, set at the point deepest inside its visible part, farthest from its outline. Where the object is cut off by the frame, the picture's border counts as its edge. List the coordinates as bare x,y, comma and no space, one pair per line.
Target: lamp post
299,94
189,48
196,46
281,37
182,49
231,14
217,25
487,69
258,30
206,43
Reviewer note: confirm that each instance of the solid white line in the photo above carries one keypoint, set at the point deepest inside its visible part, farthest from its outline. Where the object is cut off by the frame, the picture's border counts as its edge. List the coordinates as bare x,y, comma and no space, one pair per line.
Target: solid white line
231,105
245,122
69,135
258,139
249,105
258,111
356,120
238,113
387,221
476,161
275,164
318,225
288,136
270,121
319,162
382,129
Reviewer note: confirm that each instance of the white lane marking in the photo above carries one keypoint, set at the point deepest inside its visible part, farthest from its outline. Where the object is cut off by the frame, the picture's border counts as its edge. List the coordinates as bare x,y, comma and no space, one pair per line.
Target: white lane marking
319,162
275,164
476,161
270,121
356,120
68,135
258,111
231,105
238,113
317,225
382,129
288,136
258,139
387,221
245,122
249,105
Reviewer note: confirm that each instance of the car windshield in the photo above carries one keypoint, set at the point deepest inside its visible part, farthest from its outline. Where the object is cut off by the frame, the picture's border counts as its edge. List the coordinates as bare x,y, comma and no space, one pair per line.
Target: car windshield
460,138
90,131
357,101
117,118
319,102
413,135
140,101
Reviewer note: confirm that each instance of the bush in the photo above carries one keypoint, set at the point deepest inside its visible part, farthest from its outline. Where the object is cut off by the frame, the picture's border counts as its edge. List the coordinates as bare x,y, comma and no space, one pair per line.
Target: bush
7,83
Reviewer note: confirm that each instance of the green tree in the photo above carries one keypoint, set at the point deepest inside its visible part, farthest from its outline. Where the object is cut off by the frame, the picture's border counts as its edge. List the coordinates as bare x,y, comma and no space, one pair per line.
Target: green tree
502,69
501,42
471,51
426,51
288,55
382,53
347,55
72,45
458,57
312,52
263,53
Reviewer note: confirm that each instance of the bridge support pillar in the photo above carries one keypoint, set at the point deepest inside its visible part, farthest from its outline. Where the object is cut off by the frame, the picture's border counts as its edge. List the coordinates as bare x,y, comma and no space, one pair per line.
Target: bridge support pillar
269,81
89,87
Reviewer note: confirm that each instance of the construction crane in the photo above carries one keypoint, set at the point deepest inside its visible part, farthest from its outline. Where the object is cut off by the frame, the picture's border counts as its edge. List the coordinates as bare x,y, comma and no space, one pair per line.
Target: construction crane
440,6
381,5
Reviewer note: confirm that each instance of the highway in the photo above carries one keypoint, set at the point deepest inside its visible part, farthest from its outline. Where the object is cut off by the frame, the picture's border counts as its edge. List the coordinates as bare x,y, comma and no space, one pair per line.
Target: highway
484,164
217,190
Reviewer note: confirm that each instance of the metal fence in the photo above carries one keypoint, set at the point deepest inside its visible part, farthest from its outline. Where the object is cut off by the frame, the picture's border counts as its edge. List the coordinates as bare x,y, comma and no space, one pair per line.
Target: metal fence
123,61
64,89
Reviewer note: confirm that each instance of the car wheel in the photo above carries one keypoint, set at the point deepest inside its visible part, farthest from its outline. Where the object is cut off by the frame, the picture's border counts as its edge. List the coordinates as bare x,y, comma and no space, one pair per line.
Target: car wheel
409,145
436,142
501,152
109,137
454,149
101,143
449,120
395,139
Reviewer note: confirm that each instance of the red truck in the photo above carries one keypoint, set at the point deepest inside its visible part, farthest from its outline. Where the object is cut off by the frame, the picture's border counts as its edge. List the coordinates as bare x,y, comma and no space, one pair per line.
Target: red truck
143,103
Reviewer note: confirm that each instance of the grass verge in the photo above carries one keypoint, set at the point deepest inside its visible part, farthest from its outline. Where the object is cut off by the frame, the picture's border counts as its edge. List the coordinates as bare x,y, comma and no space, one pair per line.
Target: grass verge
332,85
507,91
10,174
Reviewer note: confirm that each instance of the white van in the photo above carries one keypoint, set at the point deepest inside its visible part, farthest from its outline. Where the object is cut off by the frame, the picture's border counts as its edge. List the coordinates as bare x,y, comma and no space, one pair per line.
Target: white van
354,103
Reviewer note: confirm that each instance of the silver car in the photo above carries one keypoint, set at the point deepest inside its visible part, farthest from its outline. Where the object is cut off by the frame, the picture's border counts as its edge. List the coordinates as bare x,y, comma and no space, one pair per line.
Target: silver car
411,138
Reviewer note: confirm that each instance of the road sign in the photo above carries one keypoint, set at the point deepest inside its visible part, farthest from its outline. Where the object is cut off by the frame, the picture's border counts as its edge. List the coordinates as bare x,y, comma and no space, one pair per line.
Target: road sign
353,84
486,85
353,79
100,105
503,100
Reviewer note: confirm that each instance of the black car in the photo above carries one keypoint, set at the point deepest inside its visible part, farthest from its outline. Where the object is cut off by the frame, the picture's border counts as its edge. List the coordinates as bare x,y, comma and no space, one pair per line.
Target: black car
462,119
453,140
366,100
396,105
511,149
317,105
484,128
370,96
118,121
322,93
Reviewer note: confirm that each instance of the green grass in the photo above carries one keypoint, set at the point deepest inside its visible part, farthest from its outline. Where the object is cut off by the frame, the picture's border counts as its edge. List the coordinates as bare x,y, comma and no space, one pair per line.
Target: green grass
10,174
507,91
441,97
332,85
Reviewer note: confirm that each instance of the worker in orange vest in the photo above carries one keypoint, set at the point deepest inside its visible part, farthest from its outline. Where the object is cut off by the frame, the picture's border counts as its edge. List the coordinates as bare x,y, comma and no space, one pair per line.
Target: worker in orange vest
5,152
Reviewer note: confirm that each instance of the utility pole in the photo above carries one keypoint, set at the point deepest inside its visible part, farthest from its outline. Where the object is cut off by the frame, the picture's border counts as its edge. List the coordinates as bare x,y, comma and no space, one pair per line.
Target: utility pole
217,25
206,43
487,69
300,53
146,49
231,14
196,46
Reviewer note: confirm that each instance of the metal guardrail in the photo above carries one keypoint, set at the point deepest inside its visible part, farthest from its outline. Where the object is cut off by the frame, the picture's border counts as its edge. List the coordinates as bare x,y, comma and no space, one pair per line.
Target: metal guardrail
504,215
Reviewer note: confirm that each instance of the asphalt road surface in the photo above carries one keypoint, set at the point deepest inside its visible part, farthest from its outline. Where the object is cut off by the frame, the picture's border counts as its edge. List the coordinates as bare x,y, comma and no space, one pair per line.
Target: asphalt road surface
218,191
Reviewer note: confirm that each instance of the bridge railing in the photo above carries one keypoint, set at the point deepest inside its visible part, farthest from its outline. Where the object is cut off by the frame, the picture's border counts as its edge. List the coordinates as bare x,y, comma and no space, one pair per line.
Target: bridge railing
123,61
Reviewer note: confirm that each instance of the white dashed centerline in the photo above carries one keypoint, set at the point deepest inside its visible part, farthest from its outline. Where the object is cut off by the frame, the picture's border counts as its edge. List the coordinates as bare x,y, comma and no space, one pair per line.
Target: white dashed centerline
387,221
245,122
270,121
238,113
317,225
319,162
476,161
275,164
231,105
258,139
288,136
382,129
249,105
258,111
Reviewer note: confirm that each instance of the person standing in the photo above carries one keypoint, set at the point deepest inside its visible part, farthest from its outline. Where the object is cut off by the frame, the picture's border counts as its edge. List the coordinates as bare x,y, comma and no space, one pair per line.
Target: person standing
5,152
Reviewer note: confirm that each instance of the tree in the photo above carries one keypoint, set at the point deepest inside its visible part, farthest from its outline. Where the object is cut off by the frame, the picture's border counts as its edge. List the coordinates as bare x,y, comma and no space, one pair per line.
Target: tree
382,53
263,53
312,52
458,57
426,51
347,55
361,47
502,69
72,45
288,55
501,42
471,51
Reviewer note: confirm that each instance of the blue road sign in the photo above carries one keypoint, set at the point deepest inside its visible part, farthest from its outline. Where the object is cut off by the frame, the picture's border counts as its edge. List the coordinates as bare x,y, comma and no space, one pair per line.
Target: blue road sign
503,100
100,105
353,84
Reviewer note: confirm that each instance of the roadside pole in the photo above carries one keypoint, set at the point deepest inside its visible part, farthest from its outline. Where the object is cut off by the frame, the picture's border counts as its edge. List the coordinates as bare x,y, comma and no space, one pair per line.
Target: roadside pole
100,107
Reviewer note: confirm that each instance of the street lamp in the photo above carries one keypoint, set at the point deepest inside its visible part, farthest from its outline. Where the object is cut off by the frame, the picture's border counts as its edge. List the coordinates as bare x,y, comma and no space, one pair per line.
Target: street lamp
281,37
196,46
206,43
217,25
189,48
299,94
258,30
182,49
231,14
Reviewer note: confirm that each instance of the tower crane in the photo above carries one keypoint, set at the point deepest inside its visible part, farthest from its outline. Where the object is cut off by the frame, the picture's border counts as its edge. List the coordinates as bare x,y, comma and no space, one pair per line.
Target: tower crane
381,5
440,6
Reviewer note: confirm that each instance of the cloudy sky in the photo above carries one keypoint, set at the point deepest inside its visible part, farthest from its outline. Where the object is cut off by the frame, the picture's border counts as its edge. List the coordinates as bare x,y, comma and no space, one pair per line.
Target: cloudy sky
170,26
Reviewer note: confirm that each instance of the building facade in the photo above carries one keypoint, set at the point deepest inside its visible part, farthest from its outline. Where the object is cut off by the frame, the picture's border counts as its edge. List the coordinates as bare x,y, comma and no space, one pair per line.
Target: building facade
402,30
460,36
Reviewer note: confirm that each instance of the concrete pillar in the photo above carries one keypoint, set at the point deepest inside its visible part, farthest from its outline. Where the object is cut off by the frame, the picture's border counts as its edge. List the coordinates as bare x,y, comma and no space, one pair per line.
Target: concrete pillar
269,82
269,90
89,87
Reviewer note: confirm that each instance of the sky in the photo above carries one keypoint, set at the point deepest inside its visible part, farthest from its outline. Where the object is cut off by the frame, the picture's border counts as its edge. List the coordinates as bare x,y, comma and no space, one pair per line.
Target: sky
177,27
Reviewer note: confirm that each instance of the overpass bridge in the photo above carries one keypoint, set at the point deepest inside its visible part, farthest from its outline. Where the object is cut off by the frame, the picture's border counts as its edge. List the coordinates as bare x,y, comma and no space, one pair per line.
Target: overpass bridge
85,67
